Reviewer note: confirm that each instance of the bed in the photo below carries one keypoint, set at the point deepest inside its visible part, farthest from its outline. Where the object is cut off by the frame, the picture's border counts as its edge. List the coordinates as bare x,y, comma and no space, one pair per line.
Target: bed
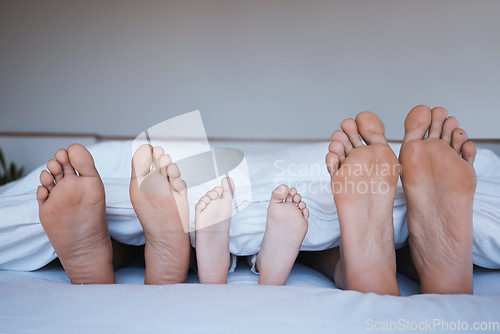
35,294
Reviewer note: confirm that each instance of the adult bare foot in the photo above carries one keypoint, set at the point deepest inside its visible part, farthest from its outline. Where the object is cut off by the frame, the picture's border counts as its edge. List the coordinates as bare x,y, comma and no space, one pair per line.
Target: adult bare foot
439,182
285,230
72,211
364,180
159,197
213,220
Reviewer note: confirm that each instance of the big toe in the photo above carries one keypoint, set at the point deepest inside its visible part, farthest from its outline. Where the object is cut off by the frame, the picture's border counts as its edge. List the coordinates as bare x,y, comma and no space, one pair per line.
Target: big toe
280,194
371,128
82,160
227,186
142,160
417,123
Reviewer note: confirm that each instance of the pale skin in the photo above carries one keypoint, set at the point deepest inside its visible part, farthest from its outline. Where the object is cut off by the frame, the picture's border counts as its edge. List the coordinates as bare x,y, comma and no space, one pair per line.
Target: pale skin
163,211
212,220
439,182
286,228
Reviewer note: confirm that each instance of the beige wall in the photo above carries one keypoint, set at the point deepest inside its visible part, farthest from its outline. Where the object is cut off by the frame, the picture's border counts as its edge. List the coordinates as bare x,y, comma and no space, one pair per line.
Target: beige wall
255,68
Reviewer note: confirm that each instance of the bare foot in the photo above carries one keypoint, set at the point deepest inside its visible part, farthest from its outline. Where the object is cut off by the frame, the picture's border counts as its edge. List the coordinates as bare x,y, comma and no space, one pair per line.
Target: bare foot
439,182
159,197
285,230
73,214
364,180
213,220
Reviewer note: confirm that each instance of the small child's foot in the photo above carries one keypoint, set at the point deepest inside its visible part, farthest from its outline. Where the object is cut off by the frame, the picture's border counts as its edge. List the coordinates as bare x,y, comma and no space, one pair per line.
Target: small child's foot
285,230
159,197
439,182
364,180
213,219
73,214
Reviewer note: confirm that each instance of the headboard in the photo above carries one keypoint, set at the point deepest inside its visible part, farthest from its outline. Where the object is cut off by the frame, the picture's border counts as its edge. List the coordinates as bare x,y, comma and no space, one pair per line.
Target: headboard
32,149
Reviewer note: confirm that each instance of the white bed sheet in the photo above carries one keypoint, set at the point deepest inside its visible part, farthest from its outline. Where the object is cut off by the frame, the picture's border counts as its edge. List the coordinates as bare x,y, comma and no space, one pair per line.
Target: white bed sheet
44,302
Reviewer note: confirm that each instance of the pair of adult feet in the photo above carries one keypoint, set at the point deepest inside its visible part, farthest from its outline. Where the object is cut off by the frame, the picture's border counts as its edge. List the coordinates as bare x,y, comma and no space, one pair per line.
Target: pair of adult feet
439,183
72,212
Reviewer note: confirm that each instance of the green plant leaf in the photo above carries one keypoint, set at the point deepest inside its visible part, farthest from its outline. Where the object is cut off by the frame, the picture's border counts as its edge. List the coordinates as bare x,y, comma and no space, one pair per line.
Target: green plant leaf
10,173
2,162
12,170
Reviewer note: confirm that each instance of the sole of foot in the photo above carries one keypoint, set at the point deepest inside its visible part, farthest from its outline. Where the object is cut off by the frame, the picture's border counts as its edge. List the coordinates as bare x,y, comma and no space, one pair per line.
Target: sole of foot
286,229
364,181
159,198
439,182
72,211
213,221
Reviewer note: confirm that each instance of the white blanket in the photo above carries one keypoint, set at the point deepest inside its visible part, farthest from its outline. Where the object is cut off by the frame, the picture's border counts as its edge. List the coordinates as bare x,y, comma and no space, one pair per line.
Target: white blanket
24,245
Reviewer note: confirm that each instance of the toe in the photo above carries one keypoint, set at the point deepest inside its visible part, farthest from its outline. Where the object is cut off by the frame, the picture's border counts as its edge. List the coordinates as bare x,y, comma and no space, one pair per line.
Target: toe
47,180
417,123
301,205
280,194
469,151
219,190
63,158
179,185
205,199
227,186
305,213
173,171
458,138
351,130
212,194
297,198
158,152
82,161
41,195
371,128
342,137
141,161
200,206
55,169
332,162
291,193
438,117
164,162
339,149
450,125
